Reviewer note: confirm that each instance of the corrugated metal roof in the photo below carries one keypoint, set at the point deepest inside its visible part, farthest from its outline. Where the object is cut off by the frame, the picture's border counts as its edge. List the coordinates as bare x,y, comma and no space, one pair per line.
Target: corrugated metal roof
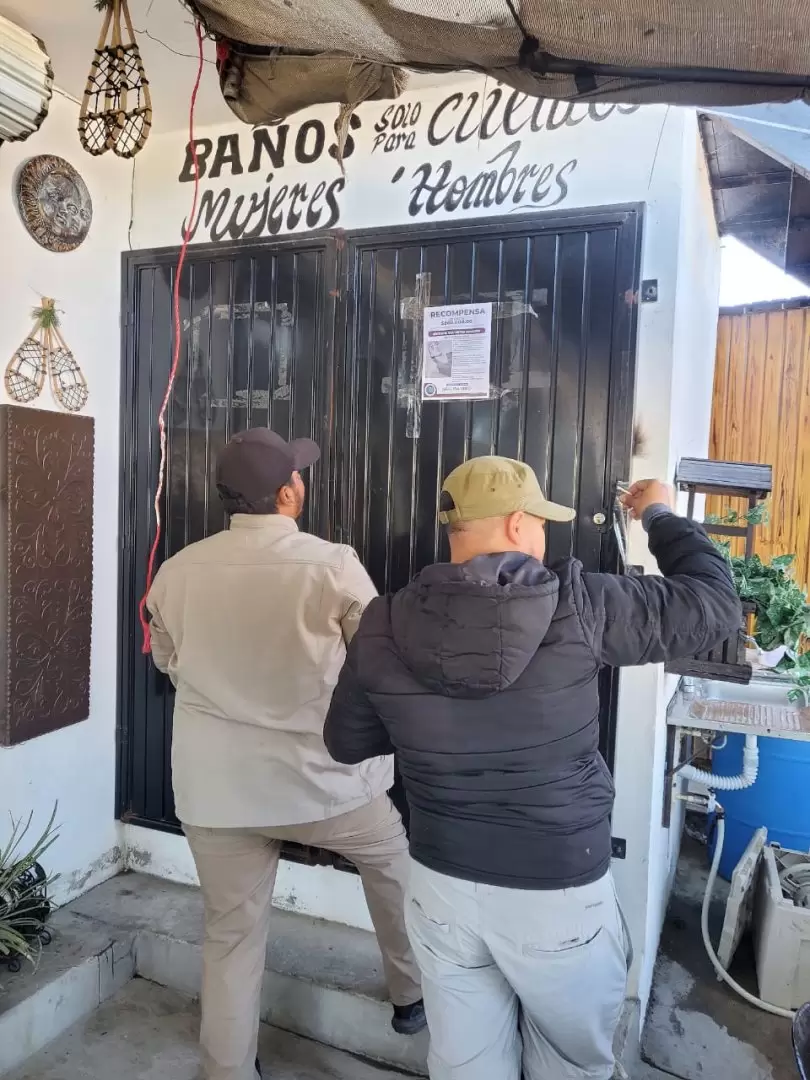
758,198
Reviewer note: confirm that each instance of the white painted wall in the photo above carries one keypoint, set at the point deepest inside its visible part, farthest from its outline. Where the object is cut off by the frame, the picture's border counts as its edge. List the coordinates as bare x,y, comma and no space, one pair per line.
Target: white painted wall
75,767
649,156
673,403
700,272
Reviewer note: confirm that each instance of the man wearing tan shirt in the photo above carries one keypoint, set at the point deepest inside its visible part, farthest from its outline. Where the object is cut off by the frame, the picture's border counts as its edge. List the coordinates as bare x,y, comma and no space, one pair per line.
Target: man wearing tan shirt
251,625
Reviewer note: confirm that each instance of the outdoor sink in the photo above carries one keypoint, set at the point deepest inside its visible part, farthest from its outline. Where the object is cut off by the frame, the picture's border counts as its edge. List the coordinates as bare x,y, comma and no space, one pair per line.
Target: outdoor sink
762,690
761,707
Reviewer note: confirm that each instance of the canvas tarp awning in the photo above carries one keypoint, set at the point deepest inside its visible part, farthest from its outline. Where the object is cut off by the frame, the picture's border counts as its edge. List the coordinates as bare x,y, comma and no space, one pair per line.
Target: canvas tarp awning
278,56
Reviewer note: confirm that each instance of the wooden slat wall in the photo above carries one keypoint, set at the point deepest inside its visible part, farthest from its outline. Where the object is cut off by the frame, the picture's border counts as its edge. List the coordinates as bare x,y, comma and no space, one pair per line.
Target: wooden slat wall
761,413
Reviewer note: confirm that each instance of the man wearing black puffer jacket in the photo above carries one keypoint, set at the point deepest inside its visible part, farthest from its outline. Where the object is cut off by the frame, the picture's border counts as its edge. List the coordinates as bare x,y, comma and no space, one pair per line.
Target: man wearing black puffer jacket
482,676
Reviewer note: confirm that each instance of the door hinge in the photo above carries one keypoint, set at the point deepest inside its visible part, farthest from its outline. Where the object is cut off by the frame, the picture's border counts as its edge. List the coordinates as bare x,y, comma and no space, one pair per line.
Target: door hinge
619,847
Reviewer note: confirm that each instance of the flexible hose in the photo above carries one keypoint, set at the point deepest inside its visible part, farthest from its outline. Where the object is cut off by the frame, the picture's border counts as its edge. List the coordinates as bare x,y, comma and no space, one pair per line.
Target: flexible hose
188,228
704,929
744,780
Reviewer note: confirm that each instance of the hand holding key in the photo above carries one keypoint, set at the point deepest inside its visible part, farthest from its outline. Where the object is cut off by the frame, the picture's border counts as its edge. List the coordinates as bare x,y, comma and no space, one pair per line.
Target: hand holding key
646,493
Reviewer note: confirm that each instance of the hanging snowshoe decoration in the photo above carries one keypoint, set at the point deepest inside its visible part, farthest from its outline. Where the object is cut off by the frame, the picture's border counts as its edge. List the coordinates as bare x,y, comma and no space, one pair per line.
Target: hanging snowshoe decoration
45,349
116,112
25,373
67,381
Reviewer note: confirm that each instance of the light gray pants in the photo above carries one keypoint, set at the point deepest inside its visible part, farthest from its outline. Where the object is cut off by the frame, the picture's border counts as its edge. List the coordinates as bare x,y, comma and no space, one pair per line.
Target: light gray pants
516,982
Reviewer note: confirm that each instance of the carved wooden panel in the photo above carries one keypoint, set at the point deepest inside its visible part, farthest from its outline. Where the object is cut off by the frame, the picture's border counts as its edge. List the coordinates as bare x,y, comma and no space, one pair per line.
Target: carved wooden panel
46,571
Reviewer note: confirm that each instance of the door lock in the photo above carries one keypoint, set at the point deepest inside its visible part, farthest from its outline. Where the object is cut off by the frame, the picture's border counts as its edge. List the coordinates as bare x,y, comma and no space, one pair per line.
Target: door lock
599,518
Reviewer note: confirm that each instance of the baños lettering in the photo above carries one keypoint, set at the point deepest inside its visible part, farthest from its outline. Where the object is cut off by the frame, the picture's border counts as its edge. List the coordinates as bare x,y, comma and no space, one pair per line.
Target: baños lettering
534,184
271,145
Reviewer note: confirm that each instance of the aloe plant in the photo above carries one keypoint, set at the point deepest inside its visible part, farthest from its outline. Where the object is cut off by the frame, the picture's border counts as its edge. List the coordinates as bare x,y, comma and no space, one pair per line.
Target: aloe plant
20,921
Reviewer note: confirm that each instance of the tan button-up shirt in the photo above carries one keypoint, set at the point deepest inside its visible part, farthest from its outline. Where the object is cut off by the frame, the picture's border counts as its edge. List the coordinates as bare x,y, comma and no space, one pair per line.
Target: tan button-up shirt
251,625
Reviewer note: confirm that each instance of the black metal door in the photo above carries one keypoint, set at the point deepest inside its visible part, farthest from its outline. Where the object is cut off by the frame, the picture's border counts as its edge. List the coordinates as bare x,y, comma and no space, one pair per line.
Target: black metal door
561,398
285,335
257,332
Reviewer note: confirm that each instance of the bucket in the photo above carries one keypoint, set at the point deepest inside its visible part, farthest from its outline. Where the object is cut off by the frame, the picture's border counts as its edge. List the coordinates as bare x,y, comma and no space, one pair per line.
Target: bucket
779,800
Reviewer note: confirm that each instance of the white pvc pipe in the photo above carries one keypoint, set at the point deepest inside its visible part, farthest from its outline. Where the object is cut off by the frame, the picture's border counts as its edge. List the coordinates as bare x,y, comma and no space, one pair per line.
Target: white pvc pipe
704,929
745,779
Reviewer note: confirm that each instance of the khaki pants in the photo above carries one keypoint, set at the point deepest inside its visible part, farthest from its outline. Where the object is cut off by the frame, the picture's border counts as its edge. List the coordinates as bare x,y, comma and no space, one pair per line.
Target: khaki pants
237,870
518,983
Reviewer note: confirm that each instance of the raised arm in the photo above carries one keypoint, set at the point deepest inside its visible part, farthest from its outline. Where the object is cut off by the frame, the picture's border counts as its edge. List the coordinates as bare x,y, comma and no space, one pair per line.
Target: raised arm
691,608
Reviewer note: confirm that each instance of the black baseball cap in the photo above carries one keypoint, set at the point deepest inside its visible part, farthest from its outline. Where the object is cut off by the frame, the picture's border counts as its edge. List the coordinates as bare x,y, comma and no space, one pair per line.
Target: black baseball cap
256,464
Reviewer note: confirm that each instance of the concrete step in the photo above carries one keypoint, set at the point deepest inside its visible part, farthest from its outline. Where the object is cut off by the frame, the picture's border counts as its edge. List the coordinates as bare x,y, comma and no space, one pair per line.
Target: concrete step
85,964
147,1031
323,981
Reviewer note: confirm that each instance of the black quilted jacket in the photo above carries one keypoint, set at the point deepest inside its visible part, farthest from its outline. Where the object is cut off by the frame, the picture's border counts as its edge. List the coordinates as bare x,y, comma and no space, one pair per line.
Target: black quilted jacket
483,678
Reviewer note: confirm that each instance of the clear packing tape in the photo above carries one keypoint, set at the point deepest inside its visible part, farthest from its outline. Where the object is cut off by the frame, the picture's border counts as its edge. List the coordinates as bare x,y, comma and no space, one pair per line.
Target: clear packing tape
409,381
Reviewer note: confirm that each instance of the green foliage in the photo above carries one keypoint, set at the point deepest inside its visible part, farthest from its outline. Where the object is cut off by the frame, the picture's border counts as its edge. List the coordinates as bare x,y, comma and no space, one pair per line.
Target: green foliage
46,317
782,611
757,515
18,929
800,673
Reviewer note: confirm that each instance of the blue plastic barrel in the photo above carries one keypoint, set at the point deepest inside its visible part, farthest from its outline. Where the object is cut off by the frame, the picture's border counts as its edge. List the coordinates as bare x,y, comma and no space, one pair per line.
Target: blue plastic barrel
779,800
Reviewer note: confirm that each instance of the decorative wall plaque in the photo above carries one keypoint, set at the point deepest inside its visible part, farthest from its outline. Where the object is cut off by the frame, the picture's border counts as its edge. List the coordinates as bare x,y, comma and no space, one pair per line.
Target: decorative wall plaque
54,203
45,348
46,571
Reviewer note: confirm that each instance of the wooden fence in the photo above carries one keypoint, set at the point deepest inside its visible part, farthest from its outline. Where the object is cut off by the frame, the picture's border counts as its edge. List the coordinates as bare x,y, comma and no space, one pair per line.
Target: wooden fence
761,413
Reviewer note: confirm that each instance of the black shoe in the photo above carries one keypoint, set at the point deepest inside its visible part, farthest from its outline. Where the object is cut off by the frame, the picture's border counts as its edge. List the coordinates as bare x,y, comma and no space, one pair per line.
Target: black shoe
259,1068
409,1019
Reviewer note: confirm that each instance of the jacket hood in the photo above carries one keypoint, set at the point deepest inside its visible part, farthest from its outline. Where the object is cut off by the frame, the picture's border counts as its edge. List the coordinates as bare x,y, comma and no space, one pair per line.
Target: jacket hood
470,630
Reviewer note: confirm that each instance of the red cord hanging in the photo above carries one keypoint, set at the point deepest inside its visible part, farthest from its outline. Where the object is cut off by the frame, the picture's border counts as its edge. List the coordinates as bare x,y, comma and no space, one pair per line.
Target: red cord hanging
150,567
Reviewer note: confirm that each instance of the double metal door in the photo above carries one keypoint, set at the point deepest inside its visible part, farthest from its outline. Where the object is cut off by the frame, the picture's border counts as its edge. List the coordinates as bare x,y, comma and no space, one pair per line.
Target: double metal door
320,337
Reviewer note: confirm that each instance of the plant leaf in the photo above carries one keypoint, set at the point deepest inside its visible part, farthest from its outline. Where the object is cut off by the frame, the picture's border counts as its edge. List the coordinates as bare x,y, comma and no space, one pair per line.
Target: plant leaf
782,613
46,317
19,907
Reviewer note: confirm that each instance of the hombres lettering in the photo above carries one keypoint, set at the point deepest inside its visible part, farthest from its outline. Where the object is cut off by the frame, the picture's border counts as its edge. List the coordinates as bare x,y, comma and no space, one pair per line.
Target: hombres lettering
437,188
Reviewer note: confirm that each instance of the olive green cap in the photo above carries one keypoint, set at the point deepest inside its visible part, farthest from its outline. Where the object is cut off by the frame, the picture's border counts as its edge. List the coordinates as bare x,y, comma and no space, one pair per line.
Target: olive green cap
488,487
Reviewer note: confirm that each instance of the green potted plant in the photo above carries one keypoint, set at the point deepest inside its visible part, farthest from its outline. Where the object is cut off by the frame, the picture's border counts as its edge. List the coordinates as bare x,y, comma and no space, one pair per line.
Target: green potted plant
781,609
24,885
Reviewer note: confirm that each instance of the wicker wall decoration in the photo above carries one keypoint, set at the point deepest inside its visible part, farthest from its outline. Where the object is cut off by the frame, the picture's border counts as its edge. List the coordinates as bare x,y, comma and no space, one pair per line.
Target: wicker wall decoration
45,350
46,571
116,112
54,203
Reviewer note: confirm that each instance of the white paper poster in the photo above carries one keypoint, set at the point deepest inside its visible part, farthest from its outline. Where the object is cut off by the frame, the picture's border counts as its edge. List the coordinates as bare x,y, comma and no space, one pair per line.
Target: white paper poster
456,352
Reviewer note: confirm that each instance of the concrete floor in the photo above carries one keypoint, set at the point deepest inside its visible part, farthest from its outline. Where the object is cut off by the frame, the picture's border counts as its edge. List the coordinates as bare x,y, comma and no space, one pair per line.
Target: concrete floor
697,1028
149,1033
